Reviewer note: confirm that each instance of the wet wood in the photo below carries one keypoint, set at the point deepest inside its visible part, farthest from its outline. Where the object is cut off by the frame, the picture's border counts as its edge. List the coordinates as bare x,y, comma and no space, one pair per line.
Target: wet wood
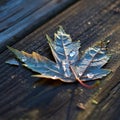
23,98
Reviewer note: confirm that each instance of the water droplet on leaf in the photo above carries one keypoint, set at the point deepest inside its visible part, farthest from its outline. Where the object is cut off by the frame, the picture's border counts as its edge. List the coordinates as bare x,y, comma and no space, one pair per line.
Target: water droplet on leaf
24,59
67,74
90,75
54,77
66,68
80,74
72,53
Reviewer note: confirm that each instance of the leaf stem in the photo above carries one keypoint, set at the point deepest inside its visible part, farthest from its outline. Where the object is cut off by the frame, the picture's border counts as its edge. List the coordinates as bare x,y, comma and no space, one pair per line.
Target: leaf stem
87,86
81,82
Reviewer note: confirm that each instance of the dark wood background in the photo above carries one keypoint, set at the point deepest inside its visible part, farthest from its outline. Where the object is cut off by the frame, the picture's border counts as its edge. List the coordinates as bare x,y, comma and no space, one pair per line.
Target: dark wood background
23,25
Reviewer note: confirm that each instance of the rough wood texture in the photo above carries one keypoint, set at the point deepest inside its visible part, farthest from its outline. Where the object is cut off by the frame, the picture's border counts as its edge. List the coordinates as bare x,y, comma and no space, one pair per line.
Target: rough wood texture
89,21
20,17
107,99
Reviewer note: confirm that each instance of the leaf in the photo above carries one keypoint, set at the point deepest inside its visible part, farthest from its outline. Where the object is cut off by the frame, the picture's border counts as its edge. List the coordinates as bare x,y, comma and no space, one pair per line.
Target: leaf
65,51
89,66
68,66
40,64
12,61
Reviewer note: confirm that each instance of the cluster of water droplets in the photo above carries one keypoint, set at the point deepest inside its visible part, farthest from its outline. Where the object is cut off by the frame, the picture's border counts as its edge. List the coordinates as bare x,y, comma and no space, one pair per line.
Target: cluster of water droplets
65,65
89,75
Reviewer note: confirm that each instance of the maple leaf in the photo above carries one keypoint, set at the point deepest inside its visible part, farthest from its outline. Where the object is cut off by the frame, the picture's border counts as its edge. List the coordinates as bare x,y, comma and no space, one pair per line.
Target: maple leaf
68,66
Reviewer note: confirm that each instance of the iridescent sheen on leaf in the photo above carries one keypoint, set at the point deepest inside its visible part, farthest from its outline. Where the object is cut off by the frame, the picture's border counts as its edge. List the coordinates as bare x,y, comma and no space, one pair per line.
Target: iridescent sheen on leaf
68,65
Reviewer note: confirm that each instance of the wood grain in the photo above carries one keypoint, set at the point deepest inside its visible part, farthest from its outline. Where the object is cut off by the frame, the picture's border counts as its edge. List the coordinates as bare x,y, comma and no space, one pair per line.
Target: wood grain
18,18
89,21
107,98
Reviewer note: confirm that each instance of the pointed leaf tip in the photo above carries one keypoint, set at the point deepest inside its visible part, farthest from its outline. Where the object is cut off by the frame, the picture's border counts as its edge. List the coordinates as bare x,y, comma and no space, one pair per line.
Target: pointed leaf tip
16,52
10,48
49,38
61,29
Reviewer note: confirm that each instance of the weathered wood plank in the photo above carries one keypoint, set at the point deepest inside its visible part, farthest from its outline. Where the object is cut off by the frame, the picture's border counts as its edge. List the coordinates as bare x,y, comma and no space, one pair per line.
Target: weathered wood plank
20,17
89,21
107,98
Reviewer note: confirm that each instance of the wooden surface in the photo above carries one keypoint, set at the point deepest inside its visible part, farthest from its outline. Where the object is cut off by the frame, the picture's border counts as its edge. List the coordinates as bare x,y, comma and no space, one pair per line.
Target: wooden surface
20,17
23,97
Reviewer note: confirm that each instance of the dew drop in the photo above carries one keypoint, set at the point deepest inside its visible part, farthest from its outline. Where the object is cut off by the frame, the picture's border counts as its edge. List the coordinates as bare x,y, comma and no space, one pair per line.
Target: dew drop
67,74
72,53
55,77
66,68
24,59
90,75
65,63
80,74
